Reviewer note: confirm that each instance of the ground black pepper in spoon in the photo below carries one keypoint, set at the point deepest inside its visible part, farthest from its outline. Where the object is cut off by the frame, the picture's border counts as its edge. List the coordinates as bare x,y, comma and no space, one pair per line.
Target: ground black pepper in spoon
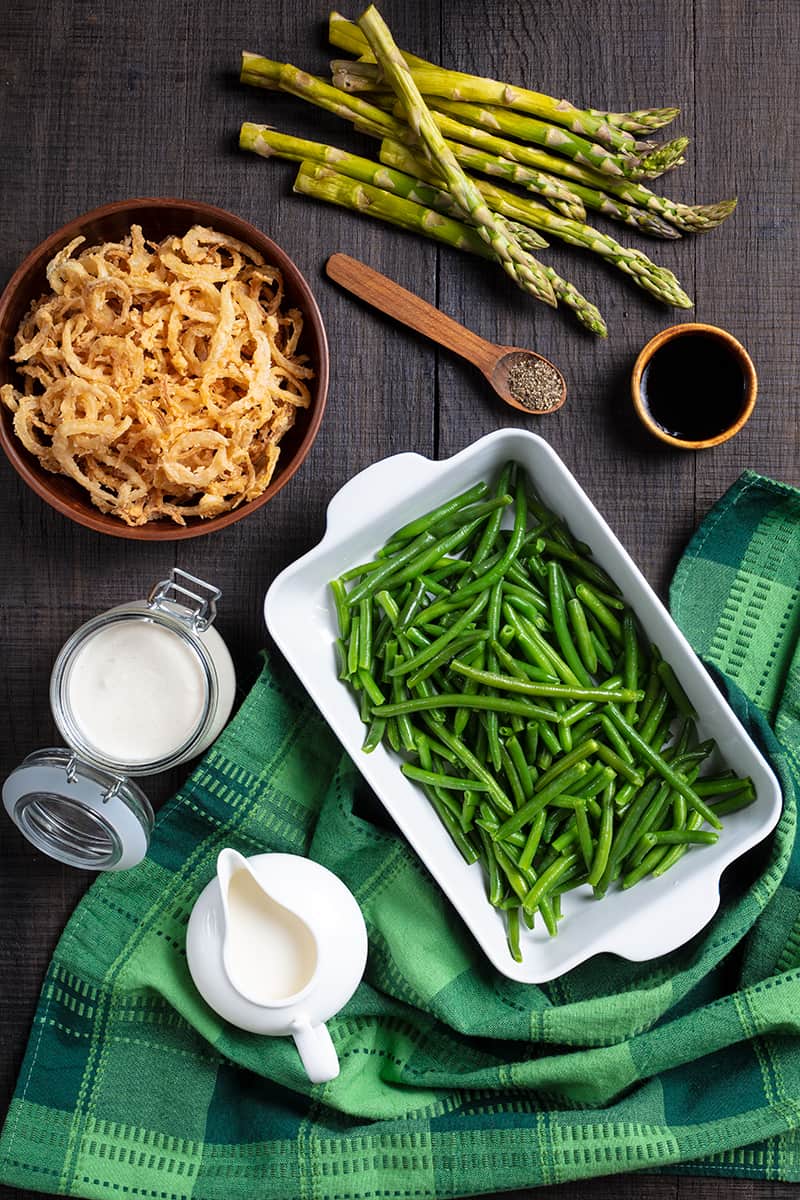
523,379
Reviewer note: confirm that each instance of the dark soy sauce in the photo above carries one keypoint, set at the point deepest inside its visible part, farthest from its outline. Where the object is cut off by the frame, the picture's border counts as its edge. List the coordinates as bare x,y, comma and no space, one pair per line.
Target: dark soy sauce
694,387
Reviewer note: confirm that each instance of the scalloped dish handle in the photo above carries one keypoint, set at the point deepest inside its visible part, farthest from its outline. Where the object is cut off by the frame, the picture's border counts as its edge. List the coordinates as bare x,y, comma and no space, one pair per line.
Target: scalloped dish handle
389,477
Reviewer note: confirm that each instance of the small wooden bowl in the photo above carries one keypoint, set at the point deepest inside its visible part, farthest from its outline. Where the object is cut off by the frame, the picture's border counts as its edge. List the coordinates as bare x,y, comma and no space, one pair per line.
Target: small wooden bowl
738,352
158,219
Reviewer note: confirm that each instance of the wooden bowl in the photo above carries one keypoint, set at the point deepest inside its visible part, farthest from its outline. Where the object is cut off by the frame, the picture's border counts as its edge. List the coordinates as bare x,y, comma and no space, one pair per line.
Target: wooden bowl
158,218
737,352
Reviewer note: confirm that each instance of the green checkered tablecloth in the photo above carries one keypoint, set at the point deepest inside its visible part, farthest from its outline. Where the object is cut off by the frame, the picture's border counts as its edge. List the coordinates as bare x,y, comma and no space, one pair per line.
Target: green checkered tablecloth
454,1080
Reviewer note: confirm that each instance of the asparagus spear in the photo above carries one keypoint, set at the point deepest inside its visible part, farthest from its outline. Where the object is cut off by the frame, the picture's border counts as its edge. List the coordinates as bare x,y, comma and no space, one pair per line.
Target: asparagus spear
522,267
589,123
268,142
659,281
584,197
645,120
691,218
501,120
323,183
264,72
506,121
347,76
347,36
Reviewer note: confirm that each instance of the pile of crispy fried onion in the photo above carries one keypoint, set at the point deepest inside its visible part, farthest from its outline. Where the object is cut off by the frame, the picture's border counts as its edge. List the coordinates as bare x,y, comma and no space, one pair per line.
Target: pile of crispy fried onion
160,377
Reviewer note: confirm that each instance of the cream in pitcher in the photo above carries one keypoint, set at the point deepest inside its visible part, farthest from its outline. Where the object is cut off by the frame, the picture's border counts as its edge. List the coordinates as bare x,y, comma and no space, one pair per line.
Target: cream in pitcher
276,944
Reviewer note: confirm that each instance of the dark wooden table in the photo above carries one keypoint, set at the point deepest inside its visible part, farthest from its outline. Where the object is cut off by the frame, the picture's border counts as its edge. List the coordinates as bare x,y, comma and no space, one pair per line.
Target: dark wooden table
104,99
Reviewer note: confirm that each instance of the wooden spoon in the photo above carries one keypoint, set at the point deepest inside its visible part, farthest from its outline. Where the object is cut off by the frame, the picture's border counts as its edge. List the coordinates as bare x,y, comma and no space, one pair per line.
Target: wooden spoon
494,361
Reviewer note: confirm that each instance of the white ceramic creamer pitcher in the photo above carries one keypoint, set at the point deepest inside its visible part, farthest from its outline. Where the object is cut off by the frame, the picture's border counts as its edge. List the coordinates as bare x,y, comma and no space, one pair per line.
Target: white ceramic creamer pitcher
276,944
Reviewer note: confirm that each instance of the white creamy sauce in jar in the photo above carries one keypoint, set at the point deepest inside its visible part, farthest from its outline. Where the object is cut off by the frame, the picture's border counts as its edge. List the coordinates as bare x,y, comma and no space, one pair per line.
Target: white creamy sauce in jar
136,691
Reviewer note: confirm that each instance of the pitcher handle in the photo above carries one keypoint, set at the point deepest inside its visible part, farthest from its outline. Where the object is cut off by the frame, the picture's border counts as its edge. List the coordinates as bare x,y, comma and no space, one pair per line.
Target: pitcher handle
316,1050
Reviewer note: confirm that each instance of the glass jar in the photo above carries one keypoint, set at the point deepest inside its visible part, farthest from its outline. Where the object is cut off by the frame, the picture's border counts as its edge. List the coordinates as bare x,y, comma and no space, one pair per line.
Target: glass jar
140,688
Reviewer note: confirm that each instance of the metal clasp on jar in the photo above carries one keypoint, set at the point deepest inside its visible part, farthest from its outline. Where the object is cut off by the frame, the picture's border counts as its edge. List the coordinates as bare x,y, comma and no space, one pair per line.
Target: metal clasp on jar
193,598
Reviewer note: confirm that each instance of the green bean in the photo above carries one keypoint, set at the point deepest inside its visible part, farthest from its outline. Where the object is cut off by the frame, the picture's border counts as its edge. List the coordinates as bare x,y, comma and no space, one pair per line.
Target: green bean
552,746
470,688
630,669
604,838
558,613
716,786
370,686
421,524
512,933
650,724
412,604
580,753
531,740
375,578
520,669
496,888
679,697
569,837
431,585
548,879
430,555
651,859
604,615
469,760
585,840
374,736
492,527
525,606
342,669
583,638
352,648
603,656
468,851
693,822
679,837
733,803
447,652
676,781
458,700
342,611
528,594
475,512
365,635
532,841
553,659
535,688
618,764
589,570
437,779
513,777
520,881
540,800
521,765
469,805
463,622
616,739
389,605
509,554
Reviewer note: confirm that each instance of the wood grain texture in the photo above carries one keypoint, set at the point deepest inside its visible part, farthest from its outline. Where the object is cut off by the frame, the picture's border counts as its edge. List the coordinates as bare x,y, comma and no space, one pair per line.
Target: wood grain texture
105,101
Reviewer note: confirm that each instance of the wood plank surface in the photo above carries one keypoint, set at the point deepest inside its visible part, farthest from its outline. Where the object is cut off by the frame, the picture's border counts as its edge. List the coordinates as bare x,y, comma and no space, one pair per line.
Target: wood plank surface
101,101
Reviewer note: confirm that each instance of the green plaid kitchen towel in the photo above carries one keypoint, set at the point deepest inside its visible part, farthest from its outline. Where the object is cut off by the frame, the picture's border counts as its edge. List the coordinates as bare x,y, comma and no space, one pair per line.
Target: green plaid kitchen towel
454,1080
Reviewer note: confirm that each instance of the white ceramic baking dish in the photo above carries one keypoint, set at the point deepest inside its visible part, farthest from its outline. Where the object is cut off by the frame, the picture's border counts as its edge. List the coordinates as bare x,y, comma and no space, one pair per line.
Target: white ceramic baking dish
659,914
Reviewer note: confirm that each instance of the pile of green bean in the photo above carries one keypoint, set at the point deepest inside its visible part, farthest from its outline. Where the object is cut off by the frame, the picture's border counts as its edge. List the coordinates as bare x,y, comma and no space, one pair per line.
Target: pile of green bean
556,746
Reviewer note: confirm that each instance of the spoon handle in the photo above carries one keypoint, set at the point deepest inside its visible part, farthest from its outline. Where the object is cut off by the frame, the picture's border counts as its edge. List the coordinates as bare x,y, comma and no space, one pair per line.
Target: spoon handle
390,298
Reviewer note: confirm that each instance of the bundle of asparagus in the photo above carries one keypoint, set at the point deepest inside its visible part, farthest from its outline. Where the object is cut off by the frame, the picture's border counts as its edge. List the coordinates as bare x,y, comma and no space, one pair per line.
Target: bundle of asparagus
438,128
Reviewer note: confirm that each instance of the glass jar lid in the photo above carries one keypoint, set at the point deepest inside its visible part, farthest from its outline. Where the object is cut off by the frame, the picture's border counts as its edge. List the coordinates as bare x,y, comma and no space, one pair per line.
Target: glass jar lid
77,813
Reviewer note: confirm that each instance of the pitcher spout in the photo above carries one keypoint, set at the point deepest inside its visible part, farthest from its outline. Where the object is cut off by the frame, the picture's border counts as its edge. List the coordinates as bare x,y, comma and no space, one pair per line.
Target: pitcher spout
269,954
